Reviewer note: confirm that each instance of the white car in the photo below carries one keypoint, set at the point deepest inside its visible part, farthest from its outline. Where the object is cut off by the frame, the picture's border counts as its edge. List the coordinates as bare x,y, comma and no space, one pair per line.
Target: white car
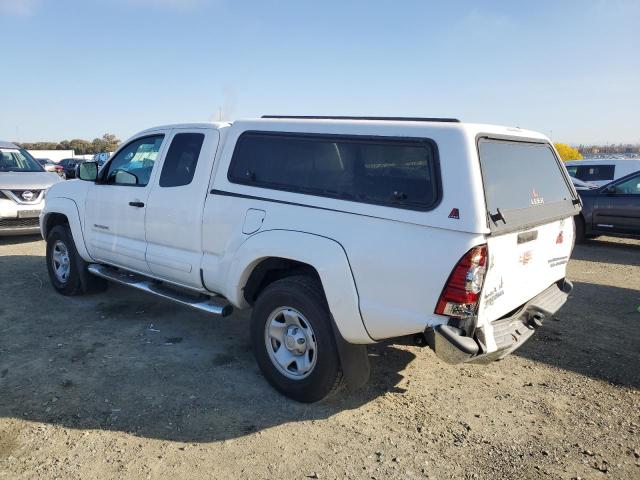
338,232
23,183
601,172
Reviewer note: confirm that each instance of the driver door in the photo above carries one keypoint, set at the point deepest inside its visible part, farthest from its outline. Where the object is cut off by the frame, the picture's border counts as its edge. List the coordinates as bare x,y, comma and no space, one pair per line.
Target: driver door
618,208
116,204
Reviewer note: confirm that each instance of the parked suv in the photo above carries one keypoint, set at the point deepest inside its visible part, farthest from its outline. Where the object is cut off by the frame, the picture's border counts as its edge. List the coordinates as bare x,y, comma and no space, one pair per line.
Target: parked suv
23,183
338,232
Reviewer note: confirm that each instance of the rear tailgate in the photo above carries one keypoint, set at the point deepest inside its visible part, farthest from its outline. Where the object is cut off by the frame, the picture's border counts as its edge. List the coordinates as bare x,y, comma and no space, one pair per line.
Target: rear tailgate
530,204
523,264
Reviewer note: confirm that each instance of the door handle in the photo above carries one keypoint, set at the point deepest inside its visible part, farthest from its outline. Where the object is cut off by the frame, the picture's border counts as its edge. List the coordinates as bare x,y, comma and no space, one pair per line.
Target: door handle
137,204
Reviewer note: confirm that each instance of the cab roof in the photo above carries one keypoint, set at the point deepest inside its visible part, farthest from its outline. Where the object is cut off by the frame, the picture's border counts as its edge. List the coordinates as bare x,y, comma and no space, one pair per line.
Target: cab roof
277,122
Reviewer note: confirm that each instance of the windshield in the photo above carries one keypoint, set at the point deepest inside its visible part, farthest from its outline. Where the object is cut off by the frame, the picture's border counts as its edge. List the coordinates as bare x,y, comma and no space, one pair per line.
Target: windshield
524,183
17,160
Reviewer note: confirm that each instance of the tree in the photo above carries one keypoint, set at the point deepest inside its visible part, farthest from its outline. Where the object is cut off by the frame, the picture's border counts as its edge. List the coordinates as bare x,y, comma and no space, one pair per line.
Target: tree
107,143
567,153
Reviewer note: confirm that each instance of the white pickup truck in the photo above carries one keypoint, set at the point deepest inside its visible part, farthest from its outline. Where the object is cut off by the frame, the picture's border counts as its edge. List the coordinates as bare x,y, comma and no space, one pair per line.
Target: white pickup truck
338,231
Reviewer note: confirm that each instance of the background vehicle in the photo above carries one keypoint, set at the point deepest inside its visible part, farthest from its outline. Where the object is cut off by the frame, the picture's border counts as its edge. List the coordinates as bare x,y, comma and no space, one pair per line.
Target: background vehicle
580,185
101,158
23,183
69,165
51,166
338,232
601,172
613,209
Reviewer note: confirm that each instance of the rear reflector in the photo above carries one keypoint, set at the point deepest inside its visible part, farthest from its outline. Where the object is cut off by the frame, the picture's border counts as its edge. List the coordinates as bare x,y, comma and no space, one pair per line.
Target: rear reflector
461,293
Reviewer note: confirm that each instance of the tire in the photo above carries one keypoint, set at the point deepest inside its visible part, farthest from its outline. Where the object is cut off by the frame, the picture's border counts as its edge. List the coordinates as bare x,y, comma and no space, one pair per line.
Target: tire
579,224
295,302
62,249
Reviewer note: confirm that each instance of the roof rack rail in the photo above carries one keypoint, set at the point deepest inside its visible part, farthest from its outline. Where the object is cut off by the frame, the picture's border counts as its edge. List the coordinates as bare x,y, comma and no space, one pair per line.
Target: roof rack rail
405,119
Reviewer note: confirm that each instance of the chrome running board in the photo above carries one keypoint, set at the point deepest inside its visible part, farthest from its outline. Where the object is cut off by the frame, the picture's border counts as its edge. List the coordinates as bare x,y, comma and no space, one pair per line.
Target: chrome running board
156,288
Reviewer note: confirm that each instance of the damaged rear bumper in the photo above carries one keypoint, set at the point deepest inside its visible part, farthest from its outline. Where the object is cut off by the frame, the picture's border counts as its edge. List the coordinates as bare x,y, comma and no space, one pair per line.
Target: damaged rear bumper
509,333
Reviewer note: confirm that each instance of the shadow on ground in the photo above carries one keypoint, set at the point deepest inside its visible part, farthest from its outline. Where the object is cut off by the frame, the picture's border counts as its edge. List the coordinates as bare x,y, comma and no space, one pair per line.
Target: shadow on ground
129,362
18,239
606,251
597,334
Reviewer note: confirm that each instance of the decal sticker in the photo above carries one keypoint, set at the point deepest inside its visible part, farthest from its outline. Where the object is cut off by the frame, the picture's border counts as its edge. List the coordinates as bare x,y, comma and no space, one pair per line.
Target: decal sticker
560,238
526,257
493,295
455,213
535,198
557,261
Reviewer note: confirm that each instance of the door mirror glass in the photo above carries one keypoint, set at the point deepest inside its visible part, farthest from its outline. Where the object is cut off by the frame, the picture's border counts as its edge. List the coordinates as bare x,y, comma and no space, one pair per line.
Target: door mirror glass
87,171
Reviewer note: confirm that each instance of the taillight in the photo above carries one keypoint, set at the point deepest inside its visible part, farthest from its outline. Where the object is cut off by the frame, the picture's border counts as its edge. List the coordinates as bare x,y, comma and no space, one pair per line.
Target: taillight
461,293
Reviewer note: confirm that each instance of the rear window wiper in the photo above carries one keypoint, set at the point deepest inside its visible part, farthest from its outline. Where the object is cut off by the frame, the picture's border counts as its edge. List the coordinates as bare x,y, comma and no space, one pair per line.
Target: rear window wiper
497,216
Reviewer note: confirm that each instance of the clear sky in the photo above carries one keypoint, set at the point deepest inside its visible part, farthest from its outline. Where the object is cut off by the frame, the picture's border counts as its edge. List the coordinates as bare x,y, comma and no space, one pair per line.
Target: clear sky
78,69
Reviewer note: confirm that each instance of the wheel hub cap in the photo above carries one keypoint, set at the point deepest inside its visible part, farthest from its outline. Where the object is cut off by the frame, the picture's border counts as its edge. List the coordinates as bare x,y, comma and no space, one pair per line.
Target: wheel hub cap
60,261
291,343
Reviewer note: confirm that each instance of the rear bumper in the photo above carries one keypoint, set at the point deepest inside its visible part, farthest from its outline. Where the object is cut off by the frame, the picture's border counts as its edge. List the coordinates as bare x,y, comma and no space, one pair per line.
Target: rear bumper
509,333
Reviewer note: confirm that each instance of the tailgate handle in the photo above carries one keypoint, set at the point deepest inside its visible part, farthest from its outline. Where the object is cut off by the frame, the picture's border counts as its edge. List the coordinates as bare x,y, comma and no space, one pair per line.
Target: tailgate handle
527,236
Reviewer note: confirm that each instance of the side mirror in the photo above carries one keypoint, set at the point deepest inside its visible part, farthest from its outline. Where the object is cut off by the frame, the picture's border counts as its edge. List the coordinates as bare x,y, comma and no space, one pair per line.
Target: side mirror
87,171
610,190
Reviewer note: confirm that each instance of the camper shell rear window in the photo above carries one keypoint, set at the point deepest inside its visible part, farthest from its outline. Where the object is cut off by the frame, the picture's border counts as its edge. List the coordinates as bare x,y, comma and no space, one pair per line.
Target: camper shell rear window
524,184
389,171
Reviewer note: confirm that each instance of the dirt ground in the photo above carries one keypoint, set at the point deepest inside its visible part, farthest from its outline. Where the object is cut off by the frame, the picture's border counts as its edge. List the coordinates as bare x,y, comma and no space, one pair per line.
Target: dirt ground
122,385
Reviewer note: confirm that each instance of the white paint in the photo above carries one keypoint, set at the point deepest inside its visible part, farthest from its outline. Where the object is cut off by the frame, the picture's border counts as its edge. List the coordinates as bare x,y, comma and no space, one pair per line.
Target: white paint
382,268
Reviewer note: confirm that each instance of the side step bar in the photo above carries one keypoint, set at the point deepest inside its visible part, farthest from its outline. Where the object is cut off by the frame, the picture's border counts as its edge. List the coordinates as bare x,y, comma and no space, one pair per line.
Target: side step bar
155,288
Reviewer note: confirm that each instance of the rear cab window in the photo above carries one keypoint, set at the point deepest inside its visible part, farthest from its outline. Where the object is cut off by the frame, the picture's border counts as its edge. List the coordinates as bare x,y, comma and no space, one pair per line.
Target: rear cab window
524,184
387,171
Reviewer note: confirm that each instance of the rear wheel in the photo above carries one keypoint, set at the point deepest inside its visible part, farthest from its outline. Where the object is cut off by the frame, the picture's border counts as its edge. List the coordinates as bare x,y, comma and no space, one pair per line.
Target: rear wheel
293,340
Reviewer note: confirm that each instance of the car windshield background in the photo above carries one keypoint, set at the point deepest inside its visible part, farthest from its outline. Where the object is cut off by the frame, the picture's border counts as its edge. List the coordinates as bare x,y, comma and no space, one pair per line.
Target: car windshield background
377,170
18,160
133,164
523,183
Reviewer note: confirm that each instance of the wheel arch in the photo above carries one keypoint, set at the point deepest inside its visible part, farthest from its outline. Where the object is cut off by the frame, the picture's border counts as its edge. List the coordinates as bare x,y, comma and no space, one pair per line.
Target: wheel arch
60,211
273,254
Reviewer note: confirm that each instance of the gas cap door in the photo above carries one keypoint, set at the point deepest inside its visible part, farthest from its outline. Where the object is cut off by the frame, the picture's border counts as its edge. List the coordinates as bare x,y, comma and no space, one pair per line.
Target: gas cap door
253,221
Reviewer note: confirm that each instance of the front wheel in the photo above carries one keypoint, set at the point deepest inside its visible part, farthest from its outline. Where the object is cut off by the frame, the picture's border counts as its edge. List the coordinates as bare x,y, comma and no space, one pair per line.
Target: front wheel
67,270
293,340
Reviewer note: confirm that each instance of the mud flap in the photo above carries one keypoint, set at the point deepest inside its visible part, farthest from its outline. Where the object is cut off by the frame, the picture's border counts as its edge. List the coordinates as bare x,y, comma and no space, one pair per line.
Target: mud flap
354,360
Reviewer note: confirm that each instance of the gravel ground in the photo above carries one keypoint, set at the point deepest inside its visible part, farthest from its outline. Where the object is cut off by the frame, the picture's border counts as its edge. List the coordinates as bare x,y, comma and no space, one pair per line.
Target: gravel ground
121,385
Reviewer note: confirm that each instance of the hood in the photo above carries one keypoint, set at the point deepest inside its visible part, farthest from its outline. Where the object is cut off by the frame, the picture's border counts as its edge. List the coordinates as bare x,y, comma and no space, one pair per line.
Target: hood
28,180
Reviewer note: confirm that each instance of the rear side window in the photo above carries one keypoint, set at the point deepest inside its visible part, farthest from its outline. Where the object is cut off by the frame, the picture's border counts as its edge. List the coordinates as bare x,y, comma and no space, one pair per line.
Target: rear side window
386,171
181,160
590,173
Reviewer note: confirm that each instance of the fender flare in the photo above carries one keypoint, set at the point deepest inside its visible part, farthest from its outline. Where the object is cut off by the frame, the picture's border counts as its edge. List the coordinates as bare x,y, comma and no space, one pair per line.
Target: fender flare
324,254
68,208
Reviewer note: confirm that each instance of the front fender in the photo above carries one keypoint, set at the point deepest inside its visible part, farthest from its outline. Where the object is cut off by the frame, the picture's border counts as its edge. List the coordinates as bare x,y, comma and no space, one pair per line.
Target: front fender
68,208
324,254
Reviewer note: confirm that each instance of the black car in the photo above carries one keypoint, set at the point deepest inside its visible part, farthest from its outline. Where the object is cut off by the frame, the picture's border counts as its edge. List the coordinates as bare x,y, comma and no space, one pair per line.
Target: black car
69,165
613,209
